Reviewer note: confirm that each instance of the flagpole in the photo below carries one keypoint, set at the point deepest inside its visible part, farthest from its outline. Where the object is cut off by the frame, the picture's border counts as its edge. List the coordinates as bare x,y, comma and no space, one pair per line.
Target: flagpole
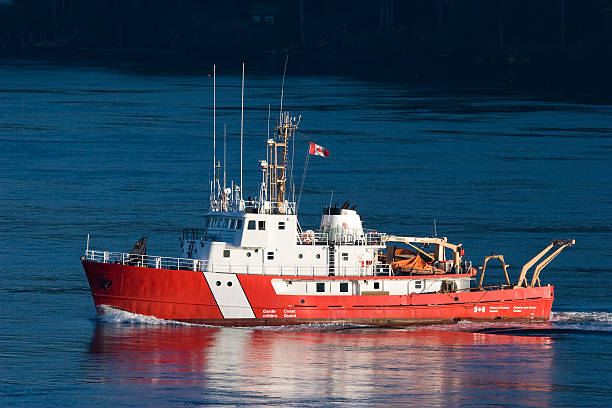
214,131
224,154
241,129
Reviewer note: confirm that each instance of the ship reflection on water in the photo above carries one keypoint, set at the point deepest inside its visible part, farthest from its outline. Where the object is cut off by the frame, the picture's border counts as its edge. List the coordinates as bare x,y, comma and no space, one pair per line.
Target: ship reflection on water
321,365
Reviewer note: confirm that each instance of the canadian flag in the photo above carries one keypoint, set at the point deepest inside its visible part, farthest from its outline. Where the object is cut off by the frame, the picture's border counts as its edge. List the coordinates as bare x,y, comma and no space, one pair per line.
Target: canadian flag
318,150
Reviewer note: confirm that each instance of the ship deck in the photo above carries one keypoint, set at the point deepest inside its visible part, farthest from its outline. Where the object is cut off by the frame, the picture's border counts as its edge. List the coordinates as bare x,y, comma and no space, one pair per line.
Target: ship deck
190,264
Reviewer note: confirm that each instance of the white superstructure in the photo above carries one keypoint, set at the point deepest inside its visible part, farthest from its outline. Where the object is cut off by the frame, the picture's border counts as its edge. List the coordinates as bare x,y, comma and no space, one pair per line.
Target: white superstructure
264,236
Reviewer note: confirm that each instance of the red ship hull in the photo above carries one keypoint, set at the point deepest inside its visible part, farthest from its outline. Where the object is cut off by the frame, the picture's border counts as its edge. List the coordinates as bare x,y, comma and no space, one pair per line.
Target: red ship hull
185,295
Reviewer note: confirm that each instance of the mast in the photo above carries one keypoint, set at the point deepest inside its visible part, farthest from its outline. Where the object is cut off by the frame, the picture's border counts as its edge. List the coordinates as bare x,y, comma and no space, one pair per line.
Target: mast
284,134
280,113
214,132
224,154
241,128
276,167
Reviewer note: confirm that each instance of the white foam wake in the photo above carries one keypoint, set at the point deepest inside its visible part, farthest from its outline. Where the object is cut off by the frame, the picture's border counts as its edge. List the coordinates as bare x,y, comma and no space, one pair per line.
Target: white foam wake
577,317
112,315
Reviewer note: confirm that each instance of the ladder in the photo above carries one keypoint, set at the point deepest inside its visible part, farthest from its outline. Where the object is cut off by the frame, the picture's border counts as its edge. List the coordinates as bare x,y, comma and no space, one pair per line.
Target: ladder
331,260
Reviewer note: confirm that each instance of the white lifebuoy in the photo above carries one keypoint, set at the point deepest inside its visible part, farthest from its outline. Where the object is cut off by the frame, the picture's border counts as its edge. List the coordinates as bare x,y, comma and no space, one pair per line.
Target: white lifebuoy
308,237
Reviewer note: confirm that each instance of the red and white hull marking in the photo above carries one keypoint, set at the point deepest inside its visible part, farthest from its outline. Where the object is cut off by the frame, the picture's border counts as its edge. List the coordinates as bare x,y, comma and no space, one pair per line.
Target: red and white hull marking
242,300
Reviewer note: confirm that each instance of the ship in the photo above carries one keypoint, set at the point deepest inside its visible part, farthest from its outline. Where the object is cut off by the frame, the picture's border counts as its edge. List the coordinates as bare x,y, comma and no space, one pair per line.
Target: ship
251,263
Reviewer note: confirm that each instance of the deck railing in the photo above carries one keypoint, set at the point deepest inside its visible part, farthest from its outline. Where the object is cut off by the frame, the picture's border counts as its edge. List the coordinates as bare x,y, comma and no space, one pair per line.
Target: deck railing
322,238
163,262
269,207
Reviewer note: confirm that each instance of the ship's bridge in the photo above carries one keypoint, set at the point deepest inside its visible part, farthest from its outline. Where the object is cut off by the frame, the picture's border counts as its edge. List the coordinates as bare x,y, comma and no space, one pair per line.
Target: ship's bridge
263,223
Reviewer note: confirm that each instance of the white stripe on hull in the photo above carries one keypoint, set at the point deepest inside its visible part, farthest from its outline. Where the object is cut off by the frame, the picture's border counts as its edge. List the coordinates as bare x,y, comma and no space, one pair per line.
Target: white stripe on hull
229,295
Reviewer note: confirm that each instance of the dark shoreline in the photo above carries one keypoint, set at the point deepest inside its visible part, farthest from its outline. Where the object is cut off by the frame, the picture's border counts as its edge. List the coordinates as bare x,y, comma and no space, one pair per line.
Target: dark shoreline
557,78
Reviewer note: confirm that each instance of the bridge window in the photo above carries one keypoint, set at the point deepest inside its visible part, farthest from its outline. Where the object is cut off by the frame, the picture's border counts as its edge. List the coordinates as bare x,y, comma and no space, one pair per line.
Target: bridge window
251,224
320,286
238,224
262,225
226,253
281,225
232,223
343,286
376,285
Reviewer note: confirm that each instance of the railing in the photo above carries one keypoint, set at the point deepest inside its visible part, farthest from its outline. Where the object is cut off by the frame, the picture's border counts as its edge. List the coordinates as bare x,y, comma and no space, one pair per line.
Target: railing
322,238
370,238
199,234
312,238
193,234
252,206
440,269
270,207
163,262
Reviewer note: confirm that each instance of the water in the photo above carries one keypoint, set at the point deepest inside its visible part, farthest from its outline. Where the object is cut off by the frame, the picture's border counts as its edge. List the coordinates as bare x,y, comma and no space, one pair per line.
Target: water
121,155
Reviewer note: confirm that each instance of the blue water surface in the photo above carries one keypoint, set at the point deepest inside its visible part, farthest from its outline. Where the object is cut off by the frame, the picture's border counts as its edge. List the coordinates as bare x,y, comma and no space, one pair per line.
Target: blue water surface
120,155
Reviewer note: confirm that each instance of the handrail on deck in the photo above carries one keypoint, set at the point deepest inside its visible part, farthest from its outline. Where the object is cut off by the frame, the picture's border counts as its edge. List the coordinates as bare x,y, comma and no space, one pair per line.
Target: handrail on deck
322,238
162,262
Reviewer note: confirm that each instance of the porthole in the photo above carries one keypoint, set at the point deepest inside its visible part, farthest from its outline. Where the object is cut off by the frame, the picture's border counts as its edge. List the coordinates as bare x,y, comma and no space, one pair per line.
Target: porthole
229,283
218,283
248,254
300,256
302,301
318,256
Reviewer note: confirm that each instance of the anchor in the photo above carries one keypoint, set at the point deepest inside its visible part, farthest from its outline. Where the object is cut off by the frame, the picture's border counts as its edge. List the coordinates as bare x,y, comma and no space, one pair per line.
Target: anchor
106,283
